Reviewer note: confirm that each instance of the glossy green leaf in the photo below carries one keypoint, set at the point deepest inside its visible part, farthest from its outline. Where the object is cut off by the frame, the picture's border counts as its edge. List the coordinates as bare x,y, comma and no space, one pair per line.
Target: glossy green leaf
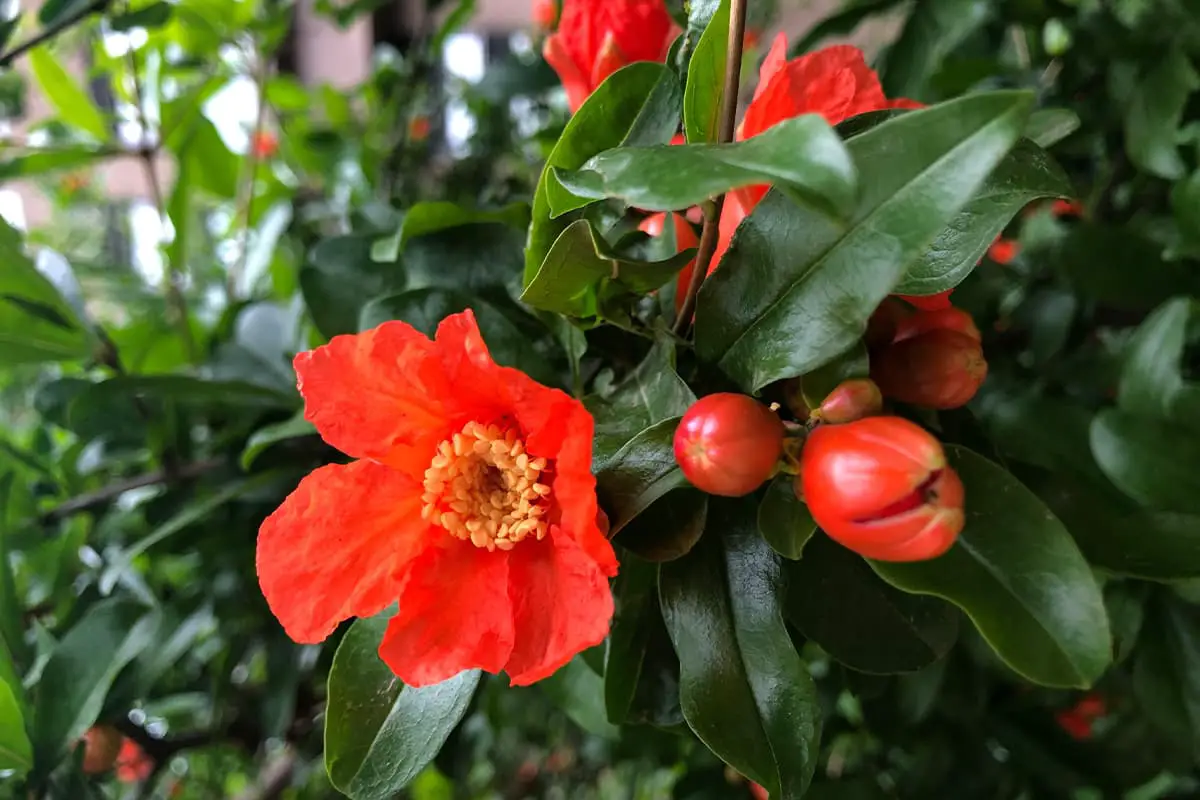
82,667
803,157
67,95
835,600
935,28
669,527
1026,174
638,474
185,389
1020,578
1152,383
699,14
579,692
1049,126
154,15
634,595
796,289
580,270
636,105
703,95
340,278
269,435
425,308
783,519
379,733
649,394
744,690
16,753
1155,112
1154,462
433,216
1166,672
36,323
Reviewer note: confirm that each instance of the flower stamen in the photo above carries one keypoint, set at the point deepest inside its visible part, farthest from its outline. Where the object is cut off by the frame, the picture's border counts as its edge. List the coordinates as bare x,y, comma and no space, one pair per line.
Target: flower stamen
482,487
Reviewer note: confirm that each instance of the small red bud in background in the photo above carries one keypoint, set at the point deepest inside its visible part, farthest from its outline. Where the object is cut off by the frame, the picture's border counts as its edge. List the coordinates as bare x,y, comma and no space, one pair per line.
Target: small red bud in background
418,128
545,14
928,302
883,324
264,144
951,319
851,400
758,792
728,444
940,369
1078,719
1066,208
101,744
133,765
882,488
1003,251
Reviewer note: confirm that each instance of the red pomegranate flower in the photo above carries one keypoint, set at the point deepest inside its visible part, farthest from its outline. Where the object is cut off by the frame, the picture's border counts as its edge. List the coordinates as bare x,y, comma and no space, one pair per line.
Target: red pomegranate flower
834,82
472,503
133,765
595,38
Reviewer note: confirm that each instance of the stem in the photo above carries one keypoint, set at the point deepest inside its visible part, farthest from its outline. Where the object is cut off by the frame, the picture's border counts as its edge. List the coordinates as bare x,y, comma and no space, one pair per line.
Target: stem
50,31
173,279
246,201
712,209
117,488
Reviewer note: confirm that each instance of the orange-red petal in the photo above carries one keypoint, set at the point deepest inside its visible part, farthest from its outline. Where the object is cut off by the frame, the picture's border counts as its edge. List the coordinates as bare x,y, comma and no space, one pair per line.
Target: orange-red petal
367,399
338,546
455,614
561,603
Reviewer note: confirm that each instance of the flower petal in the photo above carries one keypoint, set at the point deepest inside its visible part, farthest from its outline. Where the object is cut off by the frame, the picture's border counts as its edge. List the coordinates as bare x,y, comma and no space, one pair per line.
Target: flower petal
366,395
562,605
455,614
337,546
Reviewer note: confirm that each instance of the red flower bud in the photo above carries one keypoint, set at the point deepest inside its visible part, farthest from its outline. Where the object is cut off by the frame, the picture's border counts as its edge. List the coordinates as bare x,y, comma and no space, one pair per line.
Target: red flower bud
882,488
1003,251
728,444
851,400
883,324
418,128
951,319
937,369
101,744
1077,720
264,144
928,302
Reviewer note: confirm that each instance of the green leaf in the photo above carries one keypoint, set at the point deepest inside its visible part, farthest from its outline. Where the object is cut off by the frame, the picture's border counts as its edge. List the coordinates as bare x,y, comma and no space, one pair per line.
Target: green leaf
668,528
379,733
1166,672
36,323
431,217
783,520
184,389
340,278
934,30
639,474
650,393
580,271
796,289
45,162
699,14
1154,462
268,435
579,692
802,156
745,691
1026,174
152,16
835,600
73,104
842,23
634,593
1049,126
1154,114
16,753
1152,383
627,108
80,671
1020,578
704,93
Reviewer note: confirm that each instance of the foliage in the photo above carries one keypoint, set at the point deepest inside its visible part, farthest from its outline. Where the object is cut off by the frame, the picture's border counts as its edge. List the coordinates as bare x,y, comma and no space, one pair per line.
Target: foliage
150,419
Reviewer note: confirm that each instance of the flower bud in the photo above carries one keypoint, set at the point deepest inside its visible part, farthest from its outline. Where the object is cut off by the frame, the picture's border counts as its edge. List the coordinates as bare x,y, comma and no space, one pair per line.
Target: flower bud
883,324
937,369
728,444
928,302
882,488
851,400
101,744
951,319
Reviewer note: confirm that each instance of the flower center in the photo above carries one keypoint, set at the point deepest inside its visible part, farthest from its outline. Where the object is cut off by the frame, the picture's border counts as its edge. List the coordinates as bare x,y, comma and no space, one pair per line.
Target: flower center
482,486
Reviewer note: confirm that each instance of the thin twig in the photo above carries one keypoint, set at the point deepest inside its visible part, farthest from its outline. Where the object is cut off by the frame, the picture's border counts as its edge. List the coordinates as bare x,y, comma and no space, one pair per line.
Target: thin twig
712,209
50,31
173,280
246,201
115,489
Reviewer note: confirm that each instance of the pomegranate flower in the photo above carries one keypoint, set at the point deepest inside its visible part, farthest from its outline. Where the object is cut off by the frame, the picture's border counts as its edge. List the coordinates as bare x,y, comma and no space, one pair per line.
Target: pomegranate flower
595,38
472,504
133,764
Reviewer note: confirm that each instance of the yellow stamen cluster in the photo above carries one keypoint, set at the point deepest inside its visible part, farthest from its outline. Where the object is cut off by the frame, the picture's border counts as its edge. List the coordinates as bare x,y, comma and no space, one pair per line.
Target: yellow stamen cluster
482,486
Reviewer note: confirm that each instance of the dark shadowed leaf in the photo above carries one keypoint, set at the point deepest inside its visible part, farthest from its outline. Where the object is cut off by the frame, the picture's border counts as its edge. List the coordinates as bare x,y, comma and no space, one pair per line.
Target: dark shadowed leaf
340,278
1152,383
1166,671
1155,463
934,29
1154,113
783,520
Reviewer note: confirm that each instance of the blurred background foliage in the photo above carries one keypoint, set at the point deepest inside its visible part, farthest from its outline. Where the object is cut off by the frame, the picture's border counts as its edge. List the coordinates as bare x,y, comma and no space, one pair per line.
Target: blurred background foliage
149,419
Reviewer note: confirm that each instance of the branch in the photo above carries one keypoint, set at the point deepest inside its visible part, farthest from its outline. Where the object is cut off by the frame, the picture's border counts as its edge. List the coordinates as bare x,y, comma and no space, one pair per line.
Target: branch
712,209
52,30
117,488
